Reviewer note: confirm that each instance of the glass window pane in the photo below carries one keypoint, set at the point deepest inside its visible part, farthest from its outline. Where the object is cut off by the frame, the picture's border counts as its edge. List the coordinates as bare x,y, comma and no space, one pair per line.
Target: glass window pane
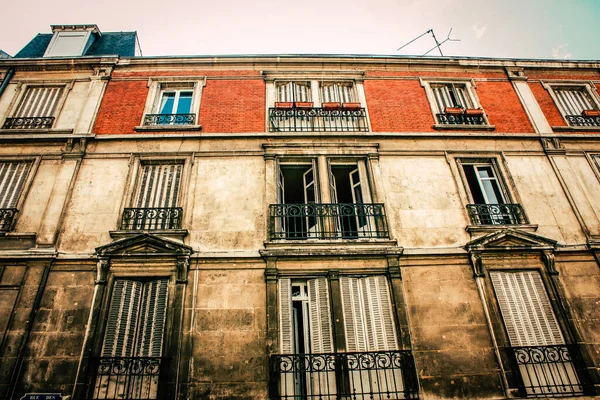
492,191
185,103
166,103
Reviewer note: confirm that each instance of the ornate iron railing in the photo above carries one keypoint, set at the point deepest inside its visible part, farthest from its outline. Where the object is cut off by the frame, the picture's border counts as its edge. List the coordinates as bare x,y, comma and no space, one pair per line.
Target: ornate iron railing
169,119
128,378
356,376
7,215
580,120
151,218
317,120
496,214
28,123
327,221
460,119
549,371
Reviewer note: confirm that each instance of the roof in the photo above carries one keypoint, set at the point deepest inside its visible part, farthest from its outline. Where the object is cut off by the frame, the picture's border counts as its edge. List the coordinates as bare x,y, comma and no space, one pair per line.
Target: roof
110,43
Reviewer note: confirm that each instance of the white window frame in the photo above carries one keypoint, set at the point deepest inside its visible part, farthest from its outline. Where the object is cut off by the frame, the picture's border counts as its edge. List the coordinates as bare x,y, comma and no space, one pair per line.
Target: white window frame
588,87
470,87
75,51
498,175
157,86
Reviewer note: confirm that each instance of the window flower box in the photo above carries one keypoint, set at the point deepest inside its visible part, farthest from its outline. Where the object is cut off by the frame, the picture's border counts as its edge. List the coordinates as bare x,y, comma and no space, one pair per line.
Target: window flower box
284,105
332,105
351,106
453,110
474,112
304,104
591,113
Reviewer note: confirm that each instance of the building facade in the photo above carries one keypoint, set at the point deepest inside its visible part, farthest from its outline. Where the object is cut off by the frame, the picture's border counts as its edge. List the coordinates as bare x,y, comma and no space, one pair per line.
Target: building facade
296,227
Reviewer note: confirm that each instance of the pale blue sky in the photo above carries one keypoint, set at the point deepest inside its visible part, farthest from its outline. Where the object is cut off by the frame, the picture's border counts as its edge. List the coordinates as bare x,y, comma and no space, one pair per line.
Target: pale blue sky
490,28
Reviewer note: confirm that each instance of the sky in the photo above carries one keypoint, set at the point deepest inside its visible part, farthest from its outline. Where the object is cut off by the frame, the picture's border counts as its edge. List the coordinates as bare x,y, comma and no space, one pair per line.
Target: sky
547,29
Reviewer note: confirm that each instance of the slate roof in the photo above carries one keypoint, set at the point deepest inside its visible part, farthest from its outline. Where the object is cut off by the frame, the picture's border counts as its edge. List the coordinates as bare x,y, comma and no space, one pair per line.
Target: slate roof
110,43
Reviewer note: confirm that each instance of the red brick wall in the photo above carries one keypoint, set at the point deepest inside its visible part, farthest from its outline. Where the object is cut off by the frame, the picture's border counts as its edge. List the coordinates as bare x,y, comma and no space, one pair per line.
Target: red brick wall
547,105
227,105
503,107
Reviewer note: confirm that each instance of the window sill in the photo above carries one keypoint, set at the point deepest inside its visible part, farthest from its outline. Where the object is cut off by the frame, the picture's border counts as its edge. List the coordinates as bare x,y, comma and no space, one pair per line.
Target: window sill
319,247
175,234
17,241
28,131
451,127
576,128
167,128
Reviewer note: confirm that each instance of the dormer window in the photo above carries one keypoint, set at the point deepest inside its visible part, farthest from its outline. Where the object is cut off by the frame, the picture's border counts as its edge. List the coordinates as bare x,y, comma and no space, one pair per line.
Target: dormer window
71,40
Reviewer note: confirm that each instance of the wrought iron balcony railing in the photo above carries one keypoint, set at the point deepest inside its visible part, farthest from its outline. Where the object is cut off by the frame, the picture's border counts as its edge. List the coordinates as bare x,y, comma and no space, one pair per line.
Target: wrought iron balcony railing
169,119
496,214
317,120
128,378
356,376
28,123
7,215
460,119
327,221
151,218
580,120
549,371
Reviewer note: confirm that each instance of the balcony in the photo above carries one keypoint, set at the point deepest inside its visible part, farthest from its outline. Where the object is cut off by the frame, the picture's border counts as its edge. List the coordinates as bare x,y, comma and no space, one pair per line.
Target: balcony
318,120
582,120
28,123
151,218
128,378
357,376
460,119
169,119
327,221
7,215
496,214
549,371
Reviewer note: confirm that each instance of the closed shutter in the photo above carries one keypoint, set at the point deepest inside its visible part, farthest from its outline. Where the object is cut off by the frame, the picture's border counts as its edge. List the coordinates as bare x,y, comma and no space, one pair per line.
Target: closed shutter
294,92
321,338
574,101
159,186
286,331
526,309
39,101
450,95
337,92
368,316
12,180
136,319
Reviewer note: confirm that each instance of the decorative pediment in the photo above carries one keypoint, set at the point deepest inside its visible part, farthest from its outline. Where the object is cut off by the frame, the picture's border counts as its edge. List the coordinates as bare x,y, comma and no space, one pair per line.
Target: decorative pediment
143,244
510,240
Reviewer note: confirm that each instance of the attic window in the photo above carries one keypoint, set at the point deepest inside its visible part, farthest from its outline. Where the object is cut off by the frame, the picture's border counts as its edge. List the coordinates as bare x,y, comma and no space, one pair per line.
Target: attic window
67,44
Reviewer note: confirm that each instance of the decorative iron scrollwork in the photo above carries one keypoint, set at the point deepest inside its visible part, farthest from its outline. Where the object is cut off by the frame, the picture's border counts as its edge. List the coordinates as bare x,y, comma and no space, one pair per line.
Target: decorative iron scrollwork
151,218
169,119
317,120
28,123
580,120
496,214
460,119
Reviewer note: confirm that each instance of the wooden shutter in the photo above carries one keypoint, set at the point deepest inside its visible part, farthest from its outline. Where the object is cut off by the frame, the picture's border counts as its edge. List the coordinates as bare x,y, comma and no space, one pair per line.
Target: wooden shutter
122,319
573,101
286,329
159,186
39,101
337,92
294,92
153,309
368,315
451,95
526,308
12,180
321,338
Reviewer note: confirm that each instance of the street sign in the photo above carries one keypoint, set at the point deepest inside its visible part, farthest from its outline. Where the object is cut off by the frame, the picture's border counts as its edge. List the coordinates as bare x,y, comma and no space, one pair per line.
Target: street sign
42,396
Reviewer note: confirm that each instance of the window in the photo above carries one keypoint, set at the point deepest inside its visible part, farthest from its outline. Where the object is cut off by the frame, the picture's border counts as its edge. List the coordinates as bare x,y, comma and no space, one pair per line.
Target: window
538,349
342,209
454,103
317,106
491,203
12,181
37,108
577,103
67,44
173,103
373,365
131,358
156,199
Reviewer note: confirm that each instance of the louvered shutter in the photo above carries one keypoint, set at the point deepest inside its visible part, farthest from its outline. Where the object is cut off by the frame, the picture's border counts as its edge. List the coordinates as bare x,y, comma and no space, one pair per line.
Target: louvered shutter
123,315
368,316
441,93
526,309
286,330
159,186
39,101
294,92
321,338
12,180
574,101
153,309
337,92
451,95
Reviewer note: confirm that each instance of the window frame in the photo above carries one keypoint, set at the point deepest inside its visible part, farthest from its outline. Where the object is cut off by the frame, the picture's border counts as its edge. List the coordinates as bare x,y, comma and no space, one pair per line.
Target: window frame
159,85
500,179
470,89
27,184
76,51
587,86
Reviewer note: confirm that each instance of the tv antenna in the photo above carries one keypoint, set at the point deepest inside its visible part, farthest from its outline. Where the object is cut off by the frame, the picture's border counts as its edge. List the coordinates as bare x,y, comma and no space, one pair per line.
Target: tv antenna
437,44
